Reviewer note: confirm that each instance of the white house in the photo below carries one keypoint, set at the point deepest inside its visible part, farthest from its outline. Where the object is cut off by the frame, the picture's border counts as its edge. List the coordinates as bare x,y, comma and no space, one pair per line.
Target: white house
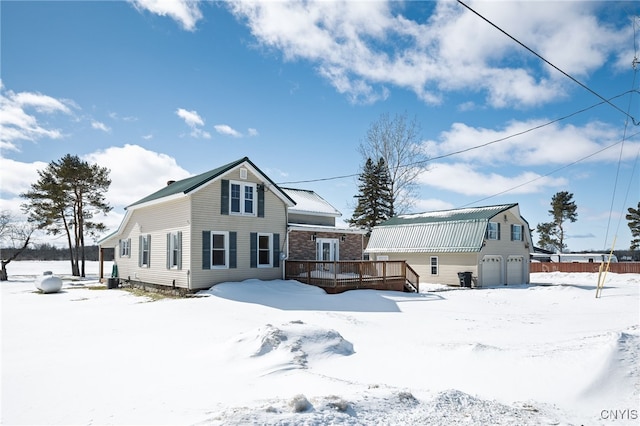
228,224
485,245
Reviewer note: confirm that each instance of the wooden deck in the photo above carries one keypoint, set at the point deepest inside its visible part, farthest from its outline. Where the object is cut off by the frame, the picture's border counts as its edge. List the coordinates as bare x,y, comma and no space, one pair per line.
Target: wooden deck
339,276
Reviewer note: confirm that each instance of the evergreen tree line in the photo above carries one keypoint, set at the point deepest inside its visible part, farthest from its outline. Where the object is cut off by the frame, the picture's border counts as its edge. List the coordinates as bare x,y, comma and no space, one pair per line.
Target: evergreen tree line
51,252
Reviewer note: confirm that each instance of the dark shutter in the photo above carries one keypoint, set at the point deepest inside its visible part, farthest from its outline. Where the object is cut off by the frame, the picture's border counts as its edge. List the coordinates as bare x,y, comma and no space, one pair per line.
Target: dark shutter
224,198
149,251
260,200
179,249
498,230
512,228
233,249
169,250
276,250
139,250
206,249
253,237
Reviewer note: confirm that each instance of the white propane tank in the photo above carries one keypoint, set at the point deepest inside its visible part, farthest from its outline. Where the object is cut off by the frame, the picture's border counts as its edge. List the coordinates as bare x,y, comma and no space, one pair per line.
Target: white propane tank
47,283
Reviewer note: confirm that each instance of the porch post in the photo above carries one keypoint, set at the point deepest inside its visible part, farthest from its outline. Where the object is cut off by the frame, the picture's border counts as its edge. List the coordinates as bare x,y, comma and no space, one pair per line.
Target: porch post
101,264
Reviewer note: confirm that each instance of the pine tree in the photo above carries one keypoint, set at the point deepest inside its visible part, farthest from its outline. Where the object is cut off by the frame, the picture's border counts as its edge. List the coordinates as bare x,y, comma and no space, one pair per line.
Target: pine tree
374,199
634,225
397,139
64,200
552,234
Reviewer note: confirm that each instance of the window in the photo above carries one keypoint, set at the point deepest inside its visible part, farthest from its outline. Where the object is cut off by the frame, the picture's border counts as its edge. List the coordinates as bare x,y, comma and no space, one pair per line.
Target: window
125,247
219,250
516,232
145,251
493,231
242,198
434,265
174,250
264,250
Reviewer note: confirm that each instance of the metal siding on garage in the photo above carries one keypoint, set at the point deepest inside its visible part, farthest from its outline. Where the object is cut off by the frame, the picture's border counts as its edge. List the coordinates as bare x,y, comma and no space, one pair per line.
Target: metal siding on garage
492,270
515,268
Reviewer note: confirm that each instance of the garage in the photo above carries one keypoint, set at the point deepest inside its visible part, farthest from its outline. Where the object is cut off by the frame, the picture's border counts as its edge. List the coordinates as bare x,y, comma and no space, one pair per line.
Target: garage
515,270
492,270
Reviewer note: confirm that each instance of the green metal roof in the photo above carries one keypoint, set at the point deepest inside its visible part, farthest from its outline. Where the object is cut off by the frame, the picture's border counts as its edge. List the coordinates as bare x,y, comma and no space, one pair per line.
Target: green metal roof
450,231
191,183
470,213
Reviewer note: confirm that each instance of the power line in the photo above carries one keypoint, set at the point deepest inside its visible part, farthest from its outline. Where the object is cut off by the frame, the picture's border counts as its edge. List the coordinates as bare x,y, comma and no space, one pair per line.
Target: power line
551,172
462,151
636,123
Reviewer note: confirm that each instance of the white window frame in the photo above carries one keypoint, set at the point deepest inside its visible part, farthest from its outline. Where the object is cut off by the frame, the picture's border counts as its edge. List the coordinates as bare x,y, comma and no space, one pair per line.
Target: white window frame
493,230
225,234
518,233
145,257
436,265
262,250
243,198
334,249
125,247
174,250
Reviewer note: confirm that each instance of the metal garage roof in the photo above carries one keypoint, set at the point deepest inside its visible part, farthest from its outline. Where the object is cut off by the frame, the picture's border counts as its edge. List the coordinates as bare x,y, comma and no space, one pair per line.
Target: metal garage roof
449,231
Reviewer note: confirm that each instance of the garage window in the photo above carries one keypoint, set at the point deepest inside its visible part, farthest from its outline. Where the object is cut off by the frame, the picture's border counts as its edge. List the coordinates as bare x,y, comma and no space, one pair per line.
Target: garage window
434,265
493,231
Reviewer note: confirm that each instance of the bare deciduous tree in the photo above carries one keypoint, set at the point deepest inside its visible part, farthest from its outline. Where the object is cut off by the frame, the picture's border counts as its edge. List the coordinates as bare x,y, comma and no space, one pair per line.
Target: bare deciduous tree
13,235
397,140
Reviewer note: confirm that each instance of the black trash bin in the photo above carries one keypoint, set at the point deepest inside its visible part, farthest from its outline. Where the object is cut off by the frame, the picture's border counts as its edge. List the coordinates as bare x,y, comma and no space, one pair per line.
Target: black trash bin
112,283
465,279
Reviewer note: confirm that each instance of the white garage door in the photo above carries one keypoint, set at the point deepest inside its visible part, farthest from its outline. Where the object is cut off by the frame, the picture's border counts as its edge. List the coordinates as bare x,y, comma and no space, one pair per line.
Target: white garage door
515,270
492,270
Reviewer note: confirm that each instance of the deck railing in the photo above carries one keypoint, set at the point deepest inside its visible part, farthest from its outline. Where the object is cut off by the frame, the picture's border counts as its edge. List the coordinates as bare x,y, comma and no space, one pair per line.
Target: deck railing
343,275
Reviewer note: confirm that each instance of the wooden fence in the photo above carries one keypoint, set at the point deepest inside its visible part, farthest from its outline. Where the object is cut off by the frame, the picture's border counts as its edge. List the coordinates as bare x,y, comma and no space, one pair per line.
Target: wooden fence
618,267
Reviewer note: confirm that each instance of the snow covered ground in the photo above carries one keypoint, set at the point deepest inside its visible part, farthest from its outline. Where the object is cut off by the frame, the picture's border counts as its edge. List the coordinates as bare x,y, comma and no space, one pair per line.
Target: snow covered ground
281,352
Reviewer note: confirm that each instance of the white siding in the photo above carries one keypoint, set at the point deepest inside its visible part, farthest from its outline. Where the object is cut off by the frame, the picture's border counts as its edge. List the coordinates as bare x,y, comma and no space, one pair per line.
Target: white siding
206,217
449,264
504,248
156,221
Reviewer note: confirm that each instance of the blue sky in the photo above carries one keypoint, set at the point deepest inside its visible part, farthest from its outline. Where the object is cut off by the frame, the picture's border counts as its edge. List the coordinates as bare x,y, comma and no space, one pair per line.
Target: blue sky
164,90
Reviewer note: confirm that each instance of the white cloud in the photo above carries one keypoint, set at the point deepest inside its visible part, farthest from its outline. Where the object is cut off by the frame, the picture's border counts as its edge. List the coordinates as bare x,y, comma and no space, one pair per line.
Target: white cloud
186,12
362,48
193,120
19,123
147,137
464,178
552,144
431,204
17,177
224,129
100,126
252,132
136,172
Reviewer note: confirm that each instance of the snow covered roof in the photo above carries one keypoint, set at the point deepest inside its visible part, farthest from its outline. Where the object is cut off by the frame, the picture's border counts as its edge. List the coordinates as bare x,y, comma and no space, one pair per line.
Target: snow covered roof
470,213
308,202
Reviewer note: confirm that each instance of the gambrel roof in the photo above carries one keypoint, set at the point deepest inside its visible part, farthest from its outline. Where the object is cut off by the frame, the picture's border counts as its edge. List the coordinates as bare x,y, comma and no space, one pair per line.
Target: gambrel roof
447,231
